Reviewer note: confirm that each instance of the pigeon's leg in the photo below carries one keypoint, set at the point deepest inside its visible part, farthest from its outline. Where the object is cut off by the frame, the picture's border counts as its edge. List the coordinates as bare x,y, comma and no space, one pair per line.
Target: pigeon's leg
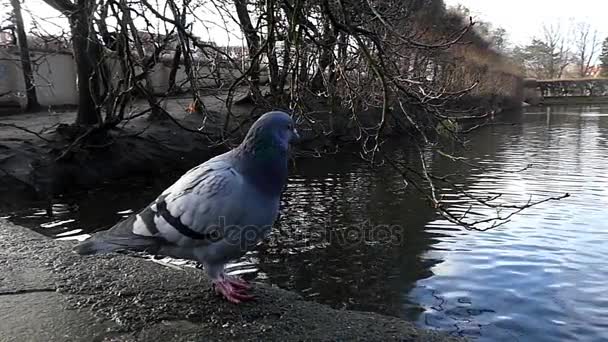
229,287
232,292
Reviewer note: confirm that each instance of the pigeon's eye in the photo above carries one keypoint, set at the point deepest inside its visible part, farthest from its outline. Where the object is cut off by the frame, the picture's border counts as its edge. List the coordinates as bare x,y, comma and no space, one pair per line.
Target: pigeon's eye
289,126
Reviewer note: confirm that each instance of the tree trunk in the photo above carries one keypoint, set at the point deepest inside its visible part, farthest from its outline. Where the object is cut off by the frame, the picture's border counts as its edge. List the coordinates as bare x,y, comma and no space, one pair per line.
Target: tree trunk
156,113
253,42
174,67
329,40
84,55
26,63
273,66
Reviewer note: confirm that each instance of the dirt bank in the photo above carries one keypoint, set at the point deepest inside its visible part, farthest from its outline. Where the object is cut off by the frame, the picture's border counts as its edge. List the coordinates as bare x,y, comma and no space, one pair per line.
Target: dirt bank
51,294
37,162
34,162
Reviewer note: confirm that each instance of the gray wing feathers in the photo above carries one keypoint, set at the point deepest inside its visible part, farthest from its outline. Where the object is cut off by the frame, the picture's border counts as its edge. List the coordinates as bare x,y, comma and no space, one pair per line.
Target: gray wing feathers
199,199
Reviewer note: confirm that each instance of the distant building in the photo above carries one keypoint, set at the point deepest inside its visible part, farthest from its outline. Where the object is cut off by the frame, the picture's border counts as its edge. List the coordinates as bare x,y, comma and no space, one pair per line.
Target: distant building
572,71
39,42
236,52
49,42
595,71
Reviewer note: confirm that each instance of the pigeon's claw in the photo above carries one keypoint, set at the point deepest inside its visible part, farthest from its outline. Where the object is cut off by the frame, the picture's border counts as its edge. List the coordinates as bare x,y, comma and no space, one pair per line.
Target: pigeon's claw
238,282
234,293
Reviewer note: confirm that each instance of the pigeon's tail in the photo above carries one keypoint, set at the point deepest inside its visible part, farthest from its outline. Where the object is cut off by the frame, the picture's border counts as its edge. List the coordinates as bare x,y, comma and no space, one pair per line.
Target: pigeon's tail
93,246
119,238
107,244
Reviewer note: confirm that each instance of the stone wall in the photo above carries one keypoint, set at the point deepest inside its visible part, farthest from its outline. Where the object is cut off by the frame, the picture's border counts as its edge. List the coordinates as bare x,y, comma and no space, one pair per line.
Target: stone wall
55,78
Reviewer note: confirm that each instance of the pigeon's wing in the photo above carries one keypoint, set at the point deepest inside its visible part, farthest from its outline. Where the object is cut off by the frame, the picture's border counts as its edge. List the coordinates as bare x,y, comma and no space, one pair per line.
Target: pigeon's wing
190,211
184,213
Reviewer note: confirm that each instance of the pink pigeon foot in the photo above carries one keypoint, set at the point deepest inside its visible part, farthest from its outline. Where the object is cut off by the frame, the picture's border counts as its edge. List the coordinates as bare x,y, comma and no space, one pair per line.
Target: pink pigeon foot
238,282
233,289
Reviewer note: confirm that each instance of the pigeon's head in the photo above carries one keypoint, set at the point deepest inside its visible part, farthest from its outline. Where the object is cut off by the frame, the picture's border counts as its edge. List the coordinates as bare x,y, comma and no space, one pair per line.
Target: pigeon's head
272,132
263,156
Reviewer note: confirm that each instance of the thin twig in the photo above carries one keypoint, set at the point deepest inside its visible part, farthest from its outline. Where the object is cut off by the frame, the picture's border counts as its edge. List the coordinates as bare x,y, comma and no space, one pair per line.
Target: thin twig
26,130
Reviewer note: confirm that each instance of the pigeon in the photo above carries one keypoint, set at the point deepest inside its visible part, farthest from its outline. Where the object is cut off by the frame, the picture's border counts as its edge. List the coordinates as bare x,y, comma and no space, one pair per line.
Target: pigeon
215,212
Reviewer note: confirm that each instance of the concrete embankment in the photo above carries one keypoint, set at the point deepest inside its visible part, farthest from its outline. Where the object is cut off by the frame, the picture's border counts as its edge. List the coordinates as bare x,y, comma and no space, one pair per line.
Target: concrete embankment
48,293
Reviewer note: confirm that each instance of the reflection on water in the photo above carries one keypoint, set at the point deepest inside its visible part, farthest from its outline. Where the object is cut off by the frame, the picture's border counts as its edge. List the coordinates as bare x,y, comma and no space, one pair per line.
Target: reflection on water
354,238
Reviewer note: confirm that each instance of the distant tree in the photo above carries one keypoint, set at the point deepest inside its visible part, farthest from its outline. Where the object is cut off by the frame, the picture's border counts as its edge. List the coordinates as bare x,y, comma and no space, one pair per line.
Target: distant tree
497,37
536,58
604,58
546,57
461,9
586,44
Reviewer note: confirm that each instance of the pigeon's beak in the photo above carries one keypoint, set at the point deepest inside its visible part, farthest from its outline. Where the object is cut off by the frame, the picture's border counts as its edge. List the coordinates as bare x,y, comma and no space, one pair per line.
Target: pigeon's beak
295,137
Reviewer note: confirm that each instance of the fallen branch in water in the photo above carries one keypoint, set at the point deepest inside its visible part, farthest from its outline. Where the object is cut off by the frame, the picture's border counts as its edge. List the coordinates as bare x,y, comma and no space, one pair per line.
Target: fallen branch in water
426,177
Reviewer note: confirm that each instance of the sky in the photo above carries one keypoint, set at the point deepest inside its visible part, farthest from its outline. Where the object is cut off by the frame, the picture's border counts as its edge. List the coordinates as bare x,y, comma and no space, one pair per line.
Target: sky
209,27
523,19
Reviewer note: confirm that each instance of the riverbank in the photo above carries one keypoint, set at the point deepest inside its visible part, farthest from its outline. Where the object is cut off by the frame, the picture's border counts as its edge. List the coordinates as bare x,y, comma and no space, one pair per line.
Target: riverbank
49,293
37,160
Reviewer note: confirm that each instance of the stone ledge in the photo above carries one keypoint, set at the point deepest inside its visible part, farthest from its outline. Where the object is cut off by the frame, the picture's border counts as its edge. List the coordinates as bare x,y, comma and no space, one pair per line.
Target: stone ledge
48,293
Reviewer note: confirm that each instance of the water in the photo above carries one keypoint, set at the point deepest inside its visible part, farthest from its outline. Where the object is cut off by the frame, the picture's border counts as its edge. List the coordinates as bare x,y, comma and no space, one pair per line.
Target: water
353,237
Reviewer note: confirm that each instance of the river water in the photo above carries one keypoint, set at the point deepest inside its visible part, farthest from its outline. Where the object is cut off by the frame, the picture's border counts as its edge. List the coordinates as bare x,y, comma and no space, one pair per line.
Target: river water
357,238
